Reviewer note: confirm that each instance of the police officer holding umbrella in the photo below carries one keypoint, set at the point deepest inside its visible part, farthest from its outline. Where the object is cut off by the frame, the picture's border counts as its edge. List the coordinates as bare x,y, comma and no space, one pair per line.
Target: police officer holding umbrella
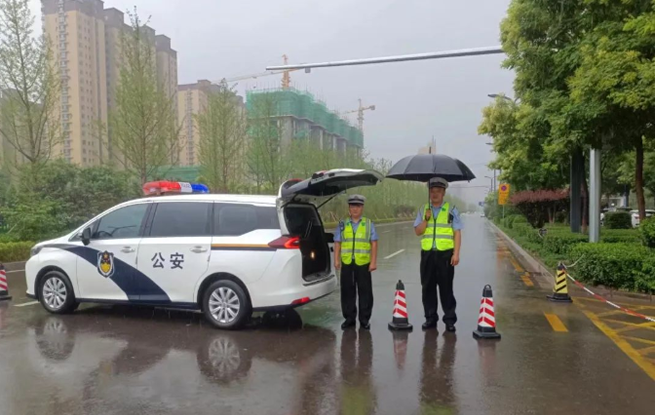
355,253
439,226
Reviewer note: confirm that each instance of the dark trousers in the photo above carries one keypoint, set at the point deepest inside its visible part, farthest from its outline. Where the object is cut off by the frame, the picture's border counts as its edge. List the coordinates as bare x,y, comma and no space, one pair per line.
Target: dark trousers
436,270
356,279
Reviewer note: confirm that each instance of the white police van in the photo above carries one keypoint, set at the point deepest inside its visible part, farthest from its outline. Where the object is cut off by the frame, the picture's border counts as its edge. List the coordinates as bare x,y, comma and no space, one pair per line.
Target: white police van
227,255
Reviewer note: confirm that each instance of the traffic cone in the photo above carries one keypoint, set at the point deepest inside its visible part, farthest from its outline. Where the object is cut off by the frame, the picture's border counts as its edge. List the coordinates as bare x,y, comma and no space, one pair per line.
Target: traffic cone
561,288
4,287
487,320
400,321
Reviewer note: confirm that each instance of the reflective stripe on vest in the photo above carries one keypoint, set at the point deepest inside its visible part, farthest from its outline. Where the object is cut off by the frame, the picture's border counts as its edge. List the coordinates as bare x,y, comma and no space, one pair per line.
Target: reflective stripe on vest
357,244
439,233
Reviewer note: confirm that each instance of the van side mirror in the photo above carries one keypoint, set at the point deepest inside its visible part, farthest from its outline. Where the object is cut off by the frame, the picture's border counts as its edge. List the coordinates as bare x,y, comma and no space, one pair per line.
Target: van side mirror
86,236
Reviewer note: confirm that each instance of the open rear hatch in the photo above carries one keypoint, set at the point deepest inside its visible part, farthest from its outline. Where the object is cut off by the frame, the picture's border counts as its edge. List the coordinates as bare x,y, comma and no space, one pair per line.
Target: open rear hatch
299,201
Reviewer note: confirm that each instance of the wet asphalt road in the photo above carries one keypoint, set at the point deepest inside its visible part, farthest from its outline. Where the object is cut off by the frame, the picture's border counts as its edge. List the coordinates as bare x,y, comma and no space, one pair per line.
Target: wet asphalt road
120,360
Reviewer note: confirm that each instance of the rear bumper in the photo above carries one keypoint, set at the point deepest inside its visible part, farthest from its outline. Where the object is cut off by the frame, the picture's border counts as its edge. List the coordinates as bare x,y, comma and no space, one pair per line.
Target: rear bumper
287,296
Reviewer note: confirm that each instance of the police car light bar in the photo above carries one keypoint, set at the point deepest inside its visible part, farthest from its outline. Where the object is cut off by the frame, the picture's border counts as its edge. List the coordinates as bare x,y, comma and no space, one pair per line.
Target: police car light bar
165,187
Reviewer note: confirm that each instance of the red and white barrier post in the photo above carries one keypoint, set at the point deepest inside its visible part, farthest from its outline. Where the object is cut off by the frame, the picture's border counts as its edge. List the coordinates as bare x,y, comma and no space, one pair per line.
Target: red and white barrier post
4,287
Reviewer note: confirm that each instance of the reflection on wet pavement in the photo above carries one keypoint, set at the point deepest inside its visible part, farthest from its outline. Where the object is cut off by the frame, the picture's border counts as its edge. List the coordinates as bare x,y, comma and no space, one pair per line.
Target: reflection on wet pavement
122,360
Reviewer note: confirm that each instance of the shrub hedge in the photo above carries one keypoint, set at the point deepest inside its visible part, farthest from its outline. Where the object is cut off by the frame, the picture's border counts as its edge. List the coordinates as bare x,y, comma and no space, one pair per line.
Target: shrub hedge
619,265
619,262
618,220
15,251
647,231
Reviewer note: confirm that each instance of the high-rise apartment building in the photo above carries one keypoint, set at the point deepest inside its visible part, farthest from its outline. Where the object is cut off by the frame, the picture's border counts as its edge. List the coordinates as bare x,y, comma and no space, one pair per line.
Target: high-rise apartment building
77,33
167,76
86,40
191,100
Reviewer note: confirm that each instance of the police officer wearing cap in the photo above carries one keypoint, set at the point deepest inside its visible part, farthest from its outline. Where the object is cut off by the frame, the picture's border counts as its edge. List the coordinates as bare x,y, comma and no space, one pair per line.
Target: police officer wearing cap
355,254
439,225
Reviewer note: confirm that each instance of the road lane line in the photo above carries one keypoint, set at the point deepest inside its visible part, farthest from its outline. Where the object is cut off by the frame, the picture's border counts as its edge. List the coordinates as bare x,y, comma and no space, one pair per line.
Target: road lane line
26,304
394,254
526,280
11,272
633,354
516,265
556,323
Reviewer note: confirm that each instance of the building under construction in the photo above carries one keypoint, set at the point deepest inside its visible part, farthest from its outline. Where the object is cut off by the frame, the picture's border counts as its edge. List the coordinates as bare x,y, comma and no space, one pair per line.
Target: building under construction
301,116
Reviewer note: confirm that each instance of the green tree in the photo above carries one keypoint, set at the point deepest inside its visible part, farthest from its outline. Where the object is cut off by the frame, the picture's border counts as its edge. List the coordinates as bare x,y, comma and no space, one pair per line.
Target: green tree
144,134
29,88
616,79
266,158
222,129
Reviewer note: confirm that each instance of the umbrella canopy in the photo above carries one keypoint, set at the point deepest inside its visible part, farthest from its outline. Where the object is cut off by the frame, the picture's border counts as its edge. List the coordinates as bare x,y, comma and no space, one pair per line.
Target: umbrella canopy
423,167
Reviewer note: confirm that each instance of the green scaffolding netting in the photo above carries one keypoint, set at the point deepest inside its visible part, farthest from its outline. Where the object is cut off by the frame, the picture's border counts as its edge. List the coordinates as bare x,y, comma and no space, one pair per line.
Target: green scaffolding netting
299,104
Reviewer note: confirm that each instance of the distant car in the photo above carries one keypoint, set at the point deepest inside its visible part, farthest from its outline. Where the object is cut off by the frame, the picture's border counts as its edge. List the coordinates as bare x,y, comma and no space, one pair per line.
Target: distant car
482,215
634,216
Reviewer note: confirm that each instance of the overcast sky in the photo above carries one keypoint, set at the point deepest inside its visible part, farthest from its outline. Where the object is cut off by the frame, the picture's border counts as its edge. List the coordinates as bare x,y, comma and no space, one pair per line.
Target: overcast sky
414,100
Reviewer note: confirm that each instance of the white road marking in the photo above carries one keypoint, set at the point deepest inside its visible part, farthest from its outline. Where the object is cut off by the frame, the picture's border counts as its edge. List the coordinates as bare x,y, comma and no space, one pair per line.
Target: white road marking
394,254
11,272
26,304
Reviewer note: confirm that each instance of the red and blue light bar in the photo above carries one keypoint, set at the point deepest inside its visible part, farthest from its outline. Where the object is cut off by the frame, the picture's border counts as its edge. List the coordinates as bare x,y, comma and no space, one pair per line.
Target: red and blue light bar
165,187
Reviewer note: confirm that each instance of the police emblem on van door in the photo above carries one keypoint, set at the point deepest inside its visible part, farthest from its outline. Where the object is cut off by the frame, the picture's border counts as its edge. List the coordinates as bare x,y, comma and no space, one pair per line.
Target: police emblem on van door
106,264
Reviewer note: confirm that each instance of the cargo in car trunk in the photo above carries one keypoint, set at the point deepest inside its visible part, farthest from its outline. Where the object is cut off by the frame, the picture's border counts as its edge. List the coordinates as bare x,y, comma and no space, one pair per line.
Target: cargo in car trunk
304,221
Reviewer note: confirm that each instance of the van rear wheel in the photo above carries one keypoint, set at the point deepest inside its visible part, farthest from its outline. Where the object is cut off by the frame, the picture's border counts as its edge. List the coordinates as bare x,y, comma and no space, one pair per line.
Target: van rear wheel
226,305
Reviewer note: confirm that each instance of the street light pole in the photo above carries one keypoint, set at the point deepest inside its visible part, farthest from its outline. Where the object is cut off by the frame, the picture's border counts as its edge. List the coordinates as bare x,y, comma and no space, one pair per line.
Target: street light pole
493,50
491,182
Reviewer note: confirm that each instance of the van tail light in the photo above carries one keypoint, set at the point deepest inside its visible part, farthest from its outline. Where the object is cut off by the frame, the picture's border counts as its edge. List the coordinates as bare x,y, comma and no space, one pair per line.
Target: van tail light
301,301
286,242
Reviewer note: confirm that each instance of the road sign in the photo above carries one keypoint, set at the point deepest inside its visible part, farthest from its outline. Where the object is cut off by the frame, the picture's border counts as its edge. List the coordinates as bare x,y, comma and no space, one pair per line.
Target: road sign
503,193
480,203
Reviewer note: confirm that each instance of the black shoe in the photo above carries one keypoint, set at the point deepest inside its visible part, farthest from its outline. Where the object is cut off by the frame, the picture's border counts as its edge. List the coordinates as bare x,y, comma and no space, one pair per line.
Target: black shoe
450,328
347,324
429,324
365,326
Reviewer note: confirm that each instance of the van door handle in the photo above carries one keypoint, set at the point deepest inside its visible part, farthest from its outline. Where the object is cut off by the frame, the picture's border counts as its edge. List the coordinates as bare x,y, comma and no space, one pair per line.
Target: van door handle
198,249
127,249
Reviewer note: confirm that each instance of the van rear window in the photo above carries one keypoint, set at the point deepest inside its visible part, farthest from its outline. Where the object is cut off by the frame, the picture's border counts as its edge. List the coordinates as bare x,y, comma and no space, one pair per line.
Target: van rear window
236,219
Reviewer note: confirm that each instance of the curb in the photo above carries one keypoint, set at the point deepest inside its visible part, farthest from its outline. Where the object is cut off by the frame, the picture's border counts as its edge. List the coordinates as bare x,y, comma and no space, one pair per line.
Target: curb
546,277
15,266
534,266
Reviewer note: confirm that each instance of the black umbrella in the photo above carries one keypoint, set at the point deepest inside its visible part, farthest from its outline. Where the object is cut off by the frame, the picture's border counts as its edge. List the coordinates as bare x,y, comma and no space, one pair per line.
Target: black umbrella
423,167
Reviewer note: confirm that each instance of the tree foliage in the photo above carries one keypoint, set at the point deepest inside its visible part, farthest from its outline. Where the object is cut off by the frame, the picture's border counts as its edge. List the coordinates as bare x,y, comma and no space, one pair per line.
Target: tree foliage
143,133
29,88
222,128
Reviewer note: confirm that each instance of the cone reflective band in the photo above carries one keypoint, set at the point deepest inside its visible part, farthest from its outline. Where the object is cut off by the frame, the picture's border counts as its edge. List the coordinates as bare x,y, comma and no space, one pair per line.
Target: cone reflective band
487,317
560,289
400,320
4,286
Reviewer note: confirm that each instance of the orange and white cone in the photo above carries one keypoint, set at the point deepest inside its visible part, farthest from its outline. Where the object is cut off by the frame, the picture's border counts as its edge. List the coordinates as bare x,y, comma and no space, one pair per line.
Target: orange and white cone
487,319
400,320
4,287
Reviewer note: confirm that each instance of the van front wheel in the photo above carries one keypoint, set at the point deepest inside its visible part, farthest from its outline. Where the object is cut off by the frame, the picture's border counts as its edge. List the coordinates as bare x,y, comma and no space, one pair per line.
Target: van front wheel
226,305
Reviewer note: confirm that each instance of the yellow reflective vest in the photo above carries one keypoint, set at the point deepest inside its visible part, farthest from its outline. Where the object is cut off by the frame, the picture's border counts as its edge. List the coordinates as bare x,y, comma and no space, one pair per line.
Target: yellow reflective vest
357,244
439,233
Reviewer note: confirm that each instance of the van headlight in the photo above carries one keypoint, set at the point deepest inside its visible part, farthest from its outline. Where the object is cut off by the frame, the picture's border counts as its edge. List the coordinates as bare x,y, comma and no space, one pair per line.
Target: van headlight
35,250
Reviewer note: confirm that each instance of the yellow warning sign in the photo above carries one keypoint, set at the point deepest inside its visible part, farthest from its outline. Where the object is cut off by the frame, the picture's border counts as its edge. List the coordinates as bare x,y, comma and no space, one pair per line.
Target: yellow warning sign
503,194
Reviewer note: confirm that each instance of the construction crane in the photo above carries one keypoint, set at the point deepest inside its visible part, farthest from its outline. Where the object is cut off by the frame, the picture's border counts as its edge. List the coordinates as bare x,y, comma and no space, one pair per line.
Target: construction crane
360,114
286,79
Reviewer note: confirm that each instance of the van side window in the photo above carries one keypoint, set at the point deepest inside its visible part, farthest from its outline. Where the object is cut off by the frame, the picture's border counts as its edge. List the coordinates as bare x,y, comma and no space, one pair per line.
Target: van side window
237,219
181,219
122,223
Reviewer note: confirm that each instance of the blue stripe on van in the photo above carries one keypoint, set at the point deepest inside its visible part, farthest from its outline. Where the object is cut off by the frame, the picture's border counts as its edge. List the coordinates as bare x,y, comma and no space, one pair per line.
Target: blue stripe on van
135,284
